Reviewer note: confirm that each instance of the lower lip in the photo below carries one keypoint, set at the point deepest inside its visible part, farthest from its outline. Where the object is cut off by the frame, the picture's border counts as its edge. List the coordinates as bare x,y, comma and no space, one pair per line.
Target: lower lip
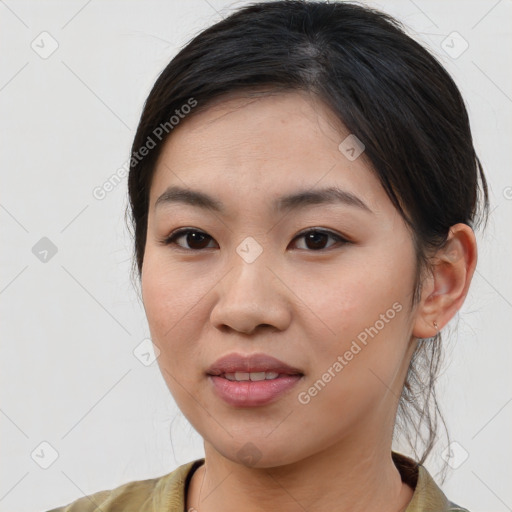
249,393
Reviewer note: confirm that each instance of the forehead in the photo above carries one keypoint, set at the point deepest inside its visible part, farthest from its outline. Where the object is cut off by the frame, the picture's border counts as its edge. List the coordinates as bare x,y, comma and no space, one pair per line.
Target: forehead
263,145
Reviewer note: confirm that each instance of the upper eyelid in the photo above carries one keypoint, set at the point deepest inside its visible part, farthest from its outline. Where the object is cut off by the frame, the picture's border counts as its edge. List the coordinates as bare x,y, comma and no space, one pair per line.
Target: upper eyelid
181,231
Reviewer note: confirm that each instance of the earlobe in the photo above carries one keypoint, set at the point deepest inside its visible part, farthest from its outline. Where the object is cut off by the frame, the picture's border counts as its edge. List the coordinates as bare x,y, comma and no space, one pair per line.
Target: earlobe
446,288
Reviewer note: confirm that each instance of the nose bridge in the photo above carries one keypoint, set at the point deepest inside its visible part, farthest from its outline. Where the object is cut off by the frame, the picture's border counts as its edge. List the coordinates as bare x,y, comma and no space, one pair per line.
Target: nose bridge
250,294
249,281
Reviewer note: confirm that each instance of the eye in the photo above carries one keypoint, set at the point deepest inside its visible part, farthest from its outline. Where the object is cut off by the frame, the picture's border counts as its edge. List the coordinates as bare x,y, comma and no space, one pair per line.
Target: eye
315,239
196,240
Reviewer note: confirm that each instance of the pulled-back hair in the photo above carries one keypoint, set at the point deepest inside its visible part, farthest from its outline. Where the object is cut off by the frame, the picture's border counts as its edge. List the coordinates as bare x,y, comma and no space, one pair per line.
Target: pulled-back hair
385,88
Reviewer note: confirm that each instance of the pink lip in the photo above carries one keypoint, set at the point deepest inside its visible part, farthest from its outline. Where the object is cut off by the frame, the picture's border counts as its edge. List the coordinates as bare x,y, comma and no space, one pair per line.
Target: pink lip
232,363
252,393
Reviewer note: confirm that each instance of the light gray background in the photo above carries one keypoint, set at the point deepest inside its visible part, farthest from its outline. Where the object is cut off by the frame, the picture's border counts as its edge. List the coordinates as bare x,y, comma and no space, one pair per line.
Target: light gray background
70,324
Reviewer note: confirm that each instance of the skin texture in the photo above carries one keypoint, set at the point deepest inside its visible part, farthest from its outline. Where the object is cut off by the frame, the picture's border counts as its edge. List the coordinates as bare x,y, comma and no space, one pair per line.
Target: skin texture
302,305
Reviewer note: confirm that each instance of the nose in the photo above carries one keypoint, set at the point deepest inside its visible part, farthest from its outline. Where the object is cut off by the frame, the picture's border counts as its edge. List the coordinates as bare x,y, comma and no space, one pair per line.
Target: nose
251,296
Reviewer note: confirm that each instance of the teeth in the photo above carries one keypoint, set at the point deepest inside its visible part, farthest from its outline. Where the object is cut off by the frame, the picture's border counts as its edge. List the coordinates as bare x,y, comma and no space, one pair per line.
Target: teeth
253,376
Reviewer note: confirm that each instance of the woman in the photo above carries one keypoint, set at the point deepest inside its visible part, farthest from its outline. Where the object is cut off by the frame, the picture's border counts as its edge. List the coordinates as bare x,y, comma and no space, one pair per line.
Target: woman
303,190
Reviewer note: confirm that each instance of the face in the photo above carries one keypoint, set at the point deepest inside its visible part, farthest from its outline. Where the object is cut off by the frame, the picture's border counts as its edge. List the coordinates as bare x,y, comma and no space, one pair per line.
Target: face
323,281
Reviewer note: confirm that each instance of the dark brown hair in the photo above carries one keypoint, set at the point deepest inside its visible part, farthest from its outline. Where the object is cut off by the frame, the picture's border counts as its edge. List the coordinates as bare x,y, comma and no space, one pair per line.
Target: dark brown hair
383,86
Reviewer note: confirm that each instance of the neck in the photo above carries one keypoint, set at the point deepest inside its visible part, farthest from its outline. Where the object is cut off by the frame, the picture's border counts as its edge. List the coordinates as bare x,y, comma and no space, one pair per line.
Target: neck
346,478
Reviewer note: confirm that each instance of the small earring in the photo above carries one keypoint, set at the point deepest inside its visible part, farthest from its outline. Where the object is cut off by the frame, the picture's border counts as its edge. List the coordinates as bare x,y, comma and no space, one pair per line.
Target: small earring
436,327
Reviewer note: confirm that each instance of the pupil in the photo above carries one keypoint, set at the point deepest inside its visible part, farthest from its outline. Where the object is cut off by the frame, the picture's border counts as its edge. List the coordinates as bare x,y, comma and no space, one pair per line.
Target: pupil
314,238
197,238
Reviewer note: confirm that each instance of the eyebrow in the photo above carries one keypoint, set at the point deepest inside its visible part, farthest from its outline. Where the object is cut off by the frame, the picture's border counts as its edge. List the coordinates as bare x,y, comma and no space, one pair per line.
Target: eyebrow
295,201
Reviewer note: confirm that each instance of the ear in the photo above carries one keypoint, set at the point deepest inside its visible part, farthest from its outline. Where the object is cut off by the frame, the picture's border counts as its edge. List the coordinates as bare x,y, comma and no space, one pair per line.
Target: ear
445,289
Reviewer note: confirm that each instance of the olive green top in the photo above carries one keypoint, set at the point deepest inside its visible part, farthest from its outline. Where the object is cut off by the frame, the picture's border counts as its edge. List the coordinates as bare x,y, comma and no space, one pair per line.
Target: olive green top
167,493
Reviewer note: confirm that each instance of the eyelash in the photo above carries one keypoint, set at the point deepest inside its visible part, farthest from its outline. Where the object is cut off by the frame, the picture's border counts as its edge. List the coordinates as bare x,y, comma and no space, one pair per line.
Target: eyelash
170,240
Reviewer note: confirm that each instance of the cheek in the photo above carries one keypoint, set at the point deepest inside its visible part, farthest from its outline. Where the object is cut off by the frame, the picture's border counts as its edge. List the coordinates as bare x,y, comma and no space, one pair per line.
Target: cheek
345,301
169,294
364,319
169,299
171,318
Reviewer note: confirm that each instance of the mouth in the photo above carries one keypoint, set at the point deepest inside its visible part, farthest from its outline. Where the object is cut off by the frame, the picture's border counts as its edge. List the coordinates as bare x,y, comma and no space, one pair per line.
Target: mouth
254,380
252,393
252,367
254,376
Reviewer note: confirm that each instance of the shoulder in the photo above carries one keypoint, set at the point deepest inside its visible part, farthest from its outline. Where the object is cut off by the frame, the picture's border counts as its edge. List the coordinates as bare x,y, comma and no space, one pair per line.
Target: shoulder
154,494
453,507
129,496
427,495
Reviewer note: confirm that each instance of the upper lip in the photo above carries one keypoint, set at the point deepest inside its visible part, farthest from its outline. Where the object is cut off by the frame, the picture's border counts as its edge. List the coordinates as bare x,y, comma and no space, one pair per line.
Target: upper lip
232,363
